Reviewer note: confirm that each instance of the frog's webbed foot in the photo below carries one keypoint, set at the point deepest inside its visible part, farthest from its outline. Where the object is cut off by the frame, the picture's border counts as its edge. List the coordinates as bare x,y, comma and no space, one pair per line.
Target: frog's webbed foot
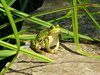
52,51
43,51
56,49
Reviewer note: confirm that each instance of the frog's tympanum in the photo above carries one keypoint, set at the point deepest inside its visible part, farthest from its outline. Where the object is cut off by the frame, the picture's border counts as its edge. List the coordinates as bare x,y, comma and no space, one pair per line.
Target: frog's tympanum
47,40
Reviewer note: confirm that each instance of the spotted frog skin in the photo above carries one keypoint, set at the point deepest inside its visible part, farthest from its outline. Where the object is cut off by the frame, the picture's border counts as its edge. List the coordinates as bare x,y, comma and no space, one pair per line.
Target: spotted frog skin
47,40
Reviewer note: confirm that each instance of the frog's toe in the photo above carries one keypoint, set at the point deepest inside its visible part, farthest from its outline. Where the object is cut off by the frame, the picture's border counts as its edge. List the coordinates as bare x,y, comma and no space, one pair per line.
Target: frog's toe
53,52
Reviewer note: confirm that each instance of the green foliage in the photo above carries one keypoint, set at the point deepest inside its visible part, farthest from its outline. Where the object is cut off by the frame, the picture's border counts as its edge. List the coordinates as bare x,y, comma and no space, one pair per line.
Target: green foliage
14,30
5,53
10,2
11,12
27,52
85,1
75,25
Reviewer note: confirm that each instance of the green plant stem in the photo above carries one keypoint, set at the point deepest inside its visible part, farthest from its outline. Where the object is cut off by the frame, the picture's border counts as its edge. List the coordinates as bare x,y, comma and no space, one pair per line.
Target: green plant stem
63,17
36,20
89,14
24,6
75,26
15,33
24,51
66,16
44,13
10,2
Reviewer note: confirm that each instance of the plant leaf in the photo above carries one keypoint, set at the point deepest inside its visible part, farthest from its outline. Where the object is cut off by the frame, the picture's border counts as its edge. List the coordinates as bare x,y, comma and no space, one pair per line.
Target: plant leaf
10,2
24,37
24,51
6,53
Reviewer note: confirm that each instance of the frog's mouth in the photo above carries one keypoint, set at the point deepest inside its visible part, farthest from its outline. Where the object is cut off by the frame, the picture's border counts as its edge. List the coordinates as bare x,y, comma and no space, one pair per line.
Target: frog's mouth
56,31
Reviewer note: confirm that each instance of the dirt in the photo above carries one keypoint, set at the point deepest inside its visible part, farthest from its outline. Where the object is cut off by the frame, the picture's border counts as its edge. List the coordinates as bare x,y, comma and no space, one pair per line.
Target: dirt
67,61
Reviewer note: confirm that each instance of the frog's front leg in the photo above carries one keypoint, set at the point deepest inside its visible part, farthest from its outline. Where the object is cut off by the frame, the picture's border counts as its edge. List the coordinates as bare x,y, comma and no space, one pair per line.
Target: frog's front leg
37,49
47,46
57,46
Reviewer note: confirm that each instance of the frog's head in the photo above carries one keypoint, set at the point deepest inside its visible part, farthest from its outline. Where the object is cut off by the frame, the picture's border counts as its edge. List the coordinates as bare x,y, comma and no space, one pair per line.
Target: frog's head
54,29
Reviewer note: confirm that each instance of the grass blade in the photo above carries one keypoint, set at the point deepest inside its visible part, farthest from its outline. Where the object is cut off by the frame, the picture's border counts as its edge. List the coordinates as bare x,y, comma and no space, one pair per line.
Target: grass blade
89,14
6,53
10,2
75,26
15,33
24,51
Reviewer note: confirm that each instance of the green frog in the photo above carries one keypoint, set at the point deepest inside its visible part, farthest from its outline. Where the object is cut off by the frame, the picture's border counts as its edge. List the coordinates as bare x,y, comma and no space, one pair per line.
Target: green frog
47,40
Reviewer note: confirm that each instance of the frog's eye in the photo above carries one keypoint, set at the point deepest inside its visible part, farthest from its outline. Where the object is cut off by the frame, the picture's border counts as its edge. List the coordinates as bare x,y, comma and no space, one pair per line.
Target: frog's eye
51,27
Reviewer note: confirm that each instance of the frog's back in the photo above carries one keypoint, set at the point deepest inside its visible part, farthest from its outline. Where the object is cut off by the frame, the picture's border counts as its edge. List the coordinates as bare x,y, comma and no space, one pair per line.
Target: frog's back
42,35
